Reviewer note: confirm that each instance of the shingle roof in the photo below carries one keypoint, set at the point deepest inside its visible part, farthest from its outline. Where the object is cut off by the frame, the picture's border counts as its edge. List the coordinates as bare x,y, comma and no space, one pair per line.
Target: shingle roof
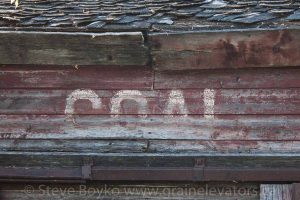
153,15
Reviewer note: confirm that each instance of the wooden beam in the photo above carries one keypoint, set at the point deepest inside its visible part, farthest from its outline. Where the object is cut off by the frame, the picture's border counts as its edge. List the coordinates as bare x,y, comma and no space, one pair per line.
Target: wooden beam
221,49
143,167
290,162
55,48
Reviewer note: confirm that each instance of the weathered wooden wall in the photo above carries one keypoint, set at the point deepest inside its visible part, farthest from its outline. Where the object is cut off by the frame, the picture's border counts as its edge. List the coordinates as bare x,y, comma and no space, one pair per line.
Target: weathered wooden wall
242,111
221,49
189,114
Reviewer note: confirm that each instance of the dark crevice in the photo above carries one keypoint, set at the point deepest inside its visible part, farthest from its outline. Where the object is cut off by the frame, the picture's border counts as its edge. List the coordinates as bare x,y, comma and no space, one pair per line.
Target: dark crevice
149,49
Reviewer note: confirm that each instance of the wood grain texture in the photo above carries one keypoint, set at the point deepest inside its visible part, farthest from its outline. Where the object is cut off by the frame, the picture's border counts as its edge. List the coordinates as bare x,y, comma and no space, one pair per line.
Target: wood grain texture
100,146
276,192
229,161
238,49
149,145
228,146
227,101
229,78
134,191
44,48
68,77
252,127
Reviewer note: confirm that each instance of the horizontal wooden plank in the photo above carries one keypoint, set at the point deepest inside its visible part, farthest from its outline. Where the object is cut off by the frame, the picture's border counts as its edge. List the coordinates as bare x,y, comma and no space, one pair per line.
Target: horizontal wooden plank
163,174
167,102
162,160
68,77
235,146
44,48
232,127
153,146
100,146
236,49
132,191
229,78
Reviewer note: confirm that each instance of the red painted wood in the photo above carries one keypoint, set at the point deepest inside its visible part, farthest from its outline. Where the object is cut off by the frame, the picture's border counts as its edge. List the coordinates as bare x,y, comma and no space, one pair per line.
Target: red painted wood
223,127
229,78
227,101
93,77
237,49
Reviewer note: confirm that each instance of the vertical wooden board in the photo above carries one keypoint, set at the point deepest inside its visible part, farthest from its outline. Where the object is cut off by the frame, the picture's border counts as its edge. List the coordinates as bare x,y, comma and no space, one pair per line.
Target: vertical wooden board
275,192
229,78
296,191
236,49
68,77
287,192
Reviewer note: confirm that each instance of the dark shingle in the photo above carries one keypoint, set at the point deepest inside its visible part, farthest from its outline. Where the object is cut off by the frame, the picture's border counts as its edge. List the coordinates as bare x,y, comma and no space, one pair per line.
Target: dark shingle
141,14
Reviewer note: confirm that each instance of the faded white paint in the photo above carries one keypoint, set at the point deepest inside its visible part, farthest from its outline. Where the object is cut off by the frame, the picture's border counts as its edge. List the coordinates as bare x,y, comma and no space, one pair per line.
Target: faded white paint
209,103
82,94
175,104
176,101
135,95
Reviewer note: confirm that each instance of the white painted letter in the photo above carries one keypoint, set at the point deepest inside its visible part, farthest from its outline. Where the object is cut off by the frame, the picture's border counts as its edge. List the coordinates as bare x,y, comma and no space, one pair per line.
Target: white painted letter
209,103
131,95
176,100
82,94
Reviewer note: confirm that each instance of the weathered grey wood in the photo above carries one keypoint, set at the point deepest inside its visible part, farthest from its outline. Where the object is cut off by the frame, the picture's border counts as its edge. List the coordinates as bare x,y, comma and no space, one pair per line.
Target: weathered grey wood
44,48
101,146
236,49
229,160
154,146
229,146
131,191
276,192
239,127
